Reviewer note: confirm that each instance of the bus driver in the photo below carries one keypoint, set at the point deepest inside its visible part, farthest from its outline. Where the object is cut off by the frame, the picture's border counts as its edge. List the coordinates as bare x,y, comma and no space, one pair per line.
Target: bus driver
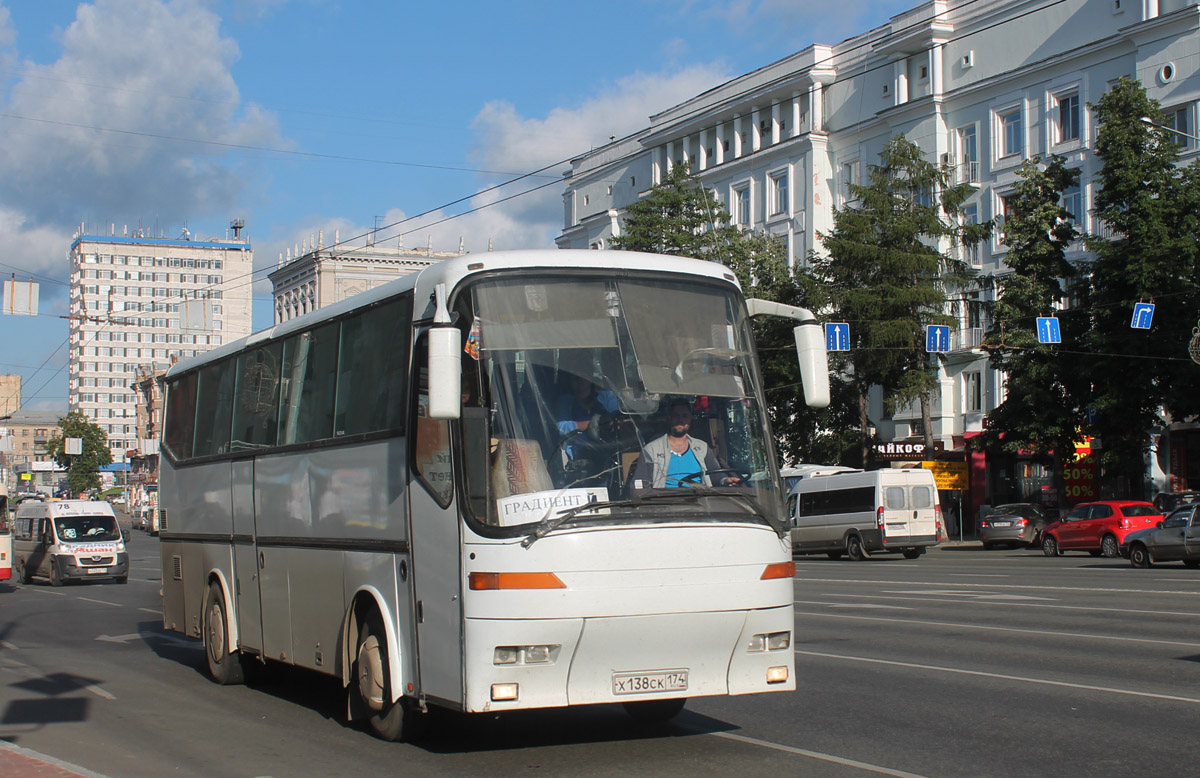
674,460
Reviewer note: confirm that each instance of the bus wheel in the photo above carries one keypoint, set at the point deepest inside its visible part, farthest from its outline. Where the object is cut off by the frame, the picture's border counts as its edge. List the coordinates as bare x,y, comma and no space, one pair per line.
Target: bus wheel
55,578
913,553
854,549
389,720
655,710
26,575
223,666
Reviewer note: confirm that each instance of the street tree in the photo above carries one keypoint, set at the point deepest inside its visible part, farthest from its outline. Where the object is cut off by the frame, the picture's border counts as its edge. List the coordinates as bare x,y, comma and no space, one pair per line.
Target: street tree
83,470
1146,253
1043,407
888,277
677,217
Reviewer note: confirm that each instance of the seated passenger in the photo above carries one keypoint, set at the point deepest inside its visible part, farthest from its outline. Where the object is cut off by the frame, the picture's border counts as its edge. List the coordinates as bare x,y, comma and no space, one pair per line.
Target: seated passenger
678,459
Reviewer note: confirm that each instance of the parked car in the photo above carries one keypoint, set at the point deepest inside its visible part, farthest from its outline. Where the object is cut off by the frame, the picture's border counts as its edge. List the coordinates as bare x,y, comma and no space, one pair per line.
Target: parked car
1174,539
1169,501
1098,527
1014,524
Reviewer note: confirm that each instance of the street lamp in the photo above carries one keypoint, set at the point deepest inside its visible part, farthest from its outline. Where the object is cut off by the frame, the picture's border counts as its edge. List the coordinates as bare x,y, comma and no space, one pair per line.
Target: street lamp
1148,121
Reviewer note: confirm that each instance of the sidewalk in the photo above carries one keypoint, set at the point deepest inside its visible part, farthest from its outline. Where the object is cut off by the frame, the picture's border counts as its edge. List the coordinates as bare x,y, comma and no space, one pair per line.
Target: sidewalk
17,761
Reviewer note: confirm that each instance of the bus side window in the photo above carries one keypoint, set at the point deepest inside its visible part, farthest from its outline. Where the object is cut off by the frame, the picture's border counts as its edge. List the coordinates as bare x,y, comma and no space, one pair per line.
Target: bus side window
431,437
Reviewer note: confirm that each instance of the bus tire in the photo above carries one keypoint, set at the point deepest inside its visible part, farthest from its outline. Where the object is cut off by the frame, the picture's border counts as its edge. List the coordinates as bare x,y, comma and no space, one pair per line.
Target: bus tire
25,576
649,711
855,550
913,553
55,578
223,666
391,721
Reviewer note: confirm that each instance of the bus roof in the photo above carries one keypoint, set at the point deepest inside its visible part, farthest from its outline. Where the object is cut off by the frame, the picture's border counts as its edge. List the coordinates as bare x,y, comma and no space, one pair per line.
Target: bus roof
452,271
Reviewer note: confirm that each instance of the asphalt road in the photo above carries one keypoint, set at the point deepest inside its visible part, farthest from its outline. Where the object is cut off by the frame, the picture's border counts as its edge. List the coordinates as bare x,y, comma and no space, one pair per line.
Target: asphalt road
960,663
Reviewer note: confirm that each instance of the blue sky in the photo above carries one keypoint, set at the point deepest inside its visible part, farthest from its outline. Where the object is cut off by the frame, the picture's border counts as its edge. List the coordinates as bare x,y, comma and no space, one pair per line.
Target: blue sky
301,116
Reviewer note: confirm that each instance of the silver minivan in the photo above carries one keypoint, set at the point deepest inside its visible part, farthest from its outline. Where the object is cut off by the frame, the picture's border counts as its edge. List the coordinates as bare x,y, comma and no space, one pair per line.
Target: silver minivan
65,540
857,513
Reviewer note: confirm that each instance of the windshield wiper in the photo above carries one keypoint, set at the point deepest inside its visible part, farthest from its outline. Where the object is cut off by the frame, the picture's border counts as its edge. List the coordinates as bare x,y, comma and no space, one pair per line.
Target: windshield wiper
549,524
781,528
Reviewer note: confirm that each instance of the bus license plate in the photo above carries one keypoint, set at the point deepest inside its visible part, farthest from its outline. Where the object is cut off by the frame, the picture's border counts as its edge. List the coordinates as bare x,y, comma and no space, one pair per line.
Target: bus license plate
97,570
650,682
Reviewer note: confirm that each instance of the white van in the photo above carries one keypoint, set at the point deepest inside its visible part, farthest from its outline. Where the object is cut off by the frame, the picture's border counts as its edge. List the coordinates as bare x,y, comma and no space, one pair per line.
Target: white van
858,512
68,539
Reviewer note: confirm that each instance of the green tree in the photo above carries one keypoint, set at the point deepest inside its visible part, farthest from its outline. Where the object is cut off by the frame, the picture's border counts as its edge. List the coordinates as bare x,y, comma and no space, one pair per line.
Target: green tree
678,217
1148,254
1042,409
83,470
886,275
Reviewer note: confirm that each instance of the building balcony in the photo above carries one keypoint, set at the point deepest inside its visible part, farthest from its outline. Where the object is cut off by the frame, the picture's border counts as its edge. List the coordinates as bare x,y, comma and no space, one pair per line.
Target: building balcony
967,338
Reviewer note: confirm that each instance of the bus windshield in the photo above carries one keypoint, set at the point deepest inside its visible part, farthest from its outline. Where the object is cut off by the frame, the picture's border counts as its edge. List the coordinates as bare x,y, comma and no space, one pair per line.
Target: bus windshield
638,395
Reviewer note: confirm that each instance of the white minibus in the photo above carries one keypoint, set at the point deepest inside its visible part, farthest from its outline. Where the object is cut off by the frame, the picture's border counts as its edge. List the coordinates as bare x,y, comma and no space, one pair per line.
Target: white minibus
857,513
65,540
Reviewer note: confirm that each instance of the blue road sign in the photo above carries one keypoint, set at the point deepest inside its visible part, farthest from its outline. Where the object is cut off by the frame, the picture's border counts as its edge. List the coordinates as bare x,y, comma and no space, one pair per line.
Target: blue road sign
1048,331
1143,315
837,336
937,338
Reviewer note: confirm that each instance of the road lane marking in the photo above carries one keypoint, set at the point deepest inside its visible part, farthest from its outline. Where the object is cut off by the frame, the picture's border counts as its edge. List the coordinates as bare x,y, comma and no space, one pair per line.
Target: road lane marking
980,575
1088,589
8,645
151,610
96,690
988,627
854,605
1003,677
120,638
873,768
939,600
973,595
102,602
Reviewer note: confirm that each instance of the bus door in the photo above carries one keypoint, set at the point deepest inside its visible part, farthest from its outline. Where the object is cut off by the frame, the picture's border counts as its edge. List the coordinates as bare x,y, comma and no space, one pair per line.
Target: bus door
434,550
245,557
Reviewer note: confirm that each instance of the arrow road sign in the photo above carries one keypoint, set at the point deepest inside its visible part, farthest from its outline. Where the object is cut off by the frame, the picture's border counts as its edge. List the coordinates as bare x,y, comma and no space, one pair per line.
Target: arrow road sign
837,336
1143,315
1048,331
937,338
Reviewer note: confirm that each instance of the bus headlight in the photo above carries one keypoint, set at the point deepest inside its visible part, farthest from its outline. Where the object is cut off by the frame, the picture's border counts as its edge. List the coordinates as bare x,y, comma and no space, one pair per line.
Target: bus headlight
772,641
525,655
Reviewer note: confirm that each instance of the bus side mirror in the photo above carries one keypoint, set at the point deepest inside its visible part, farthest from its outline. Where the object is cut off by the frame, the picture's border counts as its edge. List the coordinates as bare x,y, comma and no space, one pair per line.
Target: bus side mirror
445,373
814,363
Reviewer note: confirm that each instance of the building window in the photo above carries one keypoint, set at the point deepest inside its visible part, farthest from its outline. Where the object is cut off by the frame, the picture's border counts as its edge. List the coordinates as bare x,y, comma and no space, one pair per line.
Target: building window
1179,119
968,154
779,194
1068,118
972,391
970,215
1072,202
1012,136
849,178
741,206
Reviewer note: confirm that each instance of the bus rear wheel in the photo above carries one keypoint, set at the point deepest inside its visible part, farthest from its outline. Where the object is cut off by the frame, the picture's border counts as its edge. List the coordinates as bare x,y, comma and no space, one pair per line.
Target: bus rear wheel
224,667
655,710
389,720
25,574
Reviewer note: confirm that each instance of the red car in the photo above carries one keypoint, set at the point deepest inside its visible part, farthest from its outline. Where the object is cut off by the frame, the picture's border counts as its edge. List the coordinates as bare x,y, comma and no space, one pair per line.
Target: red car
1098,527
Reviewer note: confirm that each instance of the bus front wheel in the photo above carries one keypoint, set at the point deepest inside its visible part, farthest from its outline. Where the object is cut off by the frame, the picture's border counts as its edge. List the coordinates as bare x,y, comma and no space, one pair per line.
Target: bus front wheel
224,667
390,720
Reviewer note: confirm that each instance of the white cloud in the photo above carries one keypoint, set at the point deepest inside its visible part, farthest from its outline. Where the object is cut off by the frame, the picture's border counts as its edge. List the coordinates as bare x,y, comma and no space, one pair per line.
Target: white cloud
153,70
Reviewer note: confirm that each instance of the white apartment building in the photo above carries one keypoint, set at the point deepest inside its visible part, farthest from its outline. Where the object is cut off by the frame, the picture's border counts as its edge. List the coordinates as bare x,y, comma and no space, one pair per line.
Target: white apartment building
317,275
142,302
982,85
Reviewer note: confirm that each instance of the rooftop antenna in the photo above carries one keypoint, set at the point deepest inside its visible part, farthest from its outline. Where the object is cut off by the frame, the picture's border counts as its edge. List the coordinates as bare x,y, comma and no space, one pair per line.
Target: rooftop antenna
237,225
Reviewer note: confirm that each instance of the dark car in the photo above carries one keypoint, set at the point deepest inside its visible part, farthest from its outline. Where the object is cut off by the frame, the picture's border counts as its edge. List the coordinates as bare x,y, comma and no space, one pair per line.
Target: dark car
1014,524
1098,527
1175,539
1169,501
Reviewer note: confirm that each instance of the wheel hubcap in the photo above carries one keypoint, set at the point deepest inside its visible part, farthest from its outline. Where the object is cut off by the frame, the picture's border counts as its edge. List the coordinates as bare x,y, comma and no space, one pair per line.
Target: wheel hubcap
216,633
370,673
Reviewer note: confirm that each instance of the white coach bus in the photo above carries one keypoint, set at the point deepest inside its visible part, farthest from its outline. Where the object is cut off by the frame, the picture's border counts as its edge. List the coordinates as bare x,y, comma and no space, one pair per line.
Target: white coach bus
5,535
436,490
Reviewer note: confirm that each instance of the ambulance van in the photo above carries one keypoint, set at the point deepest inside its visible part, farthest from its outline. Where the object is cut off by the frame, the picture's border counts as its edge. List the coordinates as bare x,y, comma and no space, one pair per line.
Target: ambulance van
65,540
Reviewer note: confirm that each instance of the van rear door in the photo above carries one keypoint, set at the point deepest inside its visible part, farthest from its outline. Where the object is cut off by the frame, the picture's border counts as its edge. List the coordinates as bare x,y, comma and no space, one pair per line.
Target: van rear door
909,507
896,511
922,500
